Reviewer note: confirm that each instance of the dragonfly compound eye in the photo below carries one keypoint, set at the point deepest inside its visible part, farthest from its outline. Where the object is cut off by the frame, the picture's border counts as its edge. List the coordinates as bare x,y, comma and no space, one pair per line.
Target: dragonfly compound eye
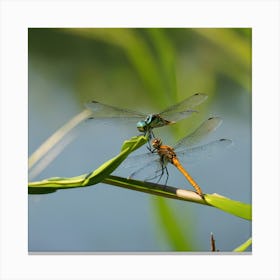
142,126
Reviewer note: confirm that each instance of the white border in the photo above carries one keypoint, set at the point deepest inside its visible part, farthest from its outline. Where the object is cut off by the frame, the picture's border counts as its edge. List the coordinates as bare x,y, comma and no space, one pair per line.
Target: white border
17,16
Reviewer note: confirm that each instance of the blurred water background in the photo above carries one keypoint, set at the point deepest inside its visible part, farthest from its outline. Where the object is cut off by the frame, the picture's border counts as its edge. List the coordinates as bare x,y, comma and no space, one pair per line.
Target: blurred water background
145,70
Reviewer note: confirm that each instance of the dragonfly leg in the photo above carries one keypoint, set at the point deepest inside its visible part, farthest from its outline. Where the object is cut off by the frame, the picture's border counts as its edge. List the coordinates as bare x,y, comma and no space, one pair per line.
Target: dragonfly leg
160,176
150,149
163,168
150,136
154,177
167,175
159,173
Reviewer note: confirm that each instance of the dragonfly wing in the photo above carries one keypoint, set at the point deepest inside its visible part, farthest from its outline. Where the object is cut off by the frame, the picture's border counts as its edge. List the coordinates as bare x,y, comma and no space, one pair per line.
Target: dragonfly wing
184,108
103,111
199,134
139,160
147,166
197,154
149,171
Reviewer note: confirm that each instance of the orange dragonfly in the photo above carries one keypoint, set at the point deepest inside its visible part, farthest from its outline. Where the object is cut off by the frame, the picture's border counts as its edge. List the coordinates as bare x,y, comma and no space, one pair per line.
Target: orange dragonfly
186,150
168,155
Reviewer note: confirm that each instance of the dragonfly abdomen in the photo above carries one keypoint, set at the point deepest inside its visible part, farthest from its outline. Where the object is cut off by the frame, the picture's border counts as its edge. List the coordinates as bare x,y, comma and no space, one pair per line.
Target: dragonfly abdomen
176,163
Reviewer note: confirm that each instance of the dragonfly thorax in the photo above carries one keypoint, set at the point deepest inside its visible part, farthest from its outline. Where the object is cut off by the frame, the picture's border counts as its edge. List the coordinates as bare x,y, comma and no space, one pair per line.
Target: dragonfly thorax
165,152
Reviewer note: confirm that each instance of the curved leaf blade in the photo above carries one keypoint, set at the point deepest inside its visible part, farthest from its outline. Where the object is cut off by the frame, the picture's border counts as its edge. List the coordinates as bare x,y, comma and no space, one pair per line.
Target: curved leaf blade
243,246
96,176
233,207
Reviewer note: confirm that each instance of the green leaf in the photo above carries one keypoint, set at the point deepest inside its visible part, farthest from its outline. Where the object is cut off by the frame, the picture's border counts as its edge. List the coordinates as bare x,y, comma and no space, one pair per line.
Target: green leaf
225,204
55,183
165,54
172,227
108,167
50,185
243,246
236,208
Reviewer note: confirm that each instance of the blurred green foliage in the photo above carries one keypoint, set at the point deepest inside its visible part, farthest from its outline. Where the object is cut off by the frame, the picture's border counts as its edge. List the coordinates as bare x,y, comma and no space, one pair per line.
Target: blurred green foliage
147,67
161,65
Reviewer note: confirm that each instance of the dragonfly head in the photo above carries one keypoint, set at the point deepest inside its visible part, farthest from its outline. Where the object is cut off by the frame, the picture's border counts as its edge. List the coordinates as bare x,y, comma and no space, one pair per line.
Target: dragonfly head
152,121
156,143
142,126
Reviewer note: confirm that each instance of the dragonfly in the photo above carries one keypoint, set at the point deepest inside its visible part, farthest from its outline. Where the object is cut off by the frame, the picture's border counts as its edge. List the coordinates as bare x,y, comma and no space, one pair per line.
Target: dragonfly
153,164
147,122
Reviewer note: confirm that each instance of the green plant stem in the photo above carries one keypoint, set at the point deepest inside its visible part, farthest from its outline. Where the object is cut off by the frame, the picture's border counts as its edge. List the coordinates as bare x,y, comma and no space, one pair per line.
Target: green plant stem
56,137
243,246
233,207
155,189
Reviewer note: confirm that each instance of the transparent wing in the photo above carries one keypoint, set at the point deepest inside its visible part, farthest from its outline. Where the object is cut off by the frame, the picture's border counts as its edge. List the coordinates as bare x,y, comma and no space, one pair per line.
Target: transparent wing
183,109
103,111
149,171
137,161
146,166
199,134
197,154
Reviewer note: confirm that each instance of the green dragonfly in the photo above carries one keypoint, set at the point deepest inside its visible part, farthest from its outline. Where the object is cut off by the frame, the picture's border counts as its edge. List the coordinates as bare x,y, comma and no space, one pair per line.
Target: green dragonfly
153,165
147,122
